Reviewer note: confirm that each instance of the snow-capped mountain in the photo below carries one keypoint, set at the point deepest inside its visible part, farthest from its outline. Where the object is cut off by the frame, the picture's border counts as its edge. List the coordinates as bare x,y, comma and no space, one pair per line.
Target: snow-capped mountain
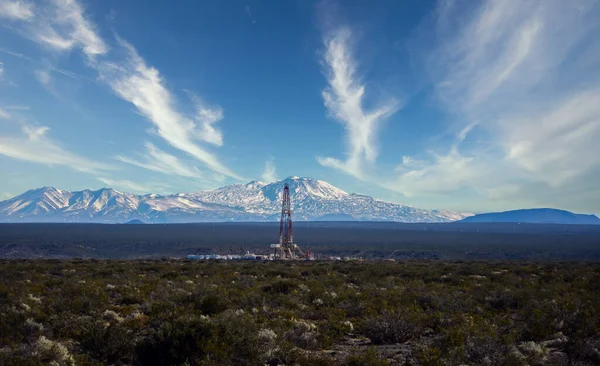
254,201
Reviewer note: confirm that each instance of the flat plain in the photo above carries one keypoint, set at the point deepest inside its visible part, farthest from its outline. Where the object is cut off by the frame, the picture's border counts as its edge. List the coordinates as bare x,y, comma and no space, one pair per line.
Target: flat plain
371,240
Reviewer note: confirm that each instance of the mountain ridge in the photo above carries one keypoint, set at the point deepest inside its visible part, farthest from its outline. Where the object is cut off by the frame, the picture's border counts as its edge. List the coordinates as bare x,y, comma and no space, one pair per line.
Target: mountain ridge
253,201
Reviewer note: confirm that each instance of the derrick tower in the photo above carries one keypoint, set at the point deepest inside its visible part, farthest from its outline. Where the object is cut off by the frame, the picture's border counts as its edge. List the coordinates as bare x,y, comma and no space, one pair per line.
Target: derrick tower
286,234
286,249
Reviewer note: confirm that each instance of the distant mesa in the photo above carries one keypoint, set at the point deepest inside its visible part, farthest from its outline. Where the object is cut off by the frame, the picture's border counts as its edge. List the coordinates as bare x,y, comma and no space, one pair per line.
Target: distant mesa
134,222
536,216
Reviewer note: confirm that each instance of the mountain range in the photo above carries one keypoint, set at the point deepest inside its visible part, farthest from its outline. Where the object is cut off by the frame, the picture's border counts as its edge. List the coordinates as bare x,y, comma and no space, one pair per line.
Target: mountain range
254,201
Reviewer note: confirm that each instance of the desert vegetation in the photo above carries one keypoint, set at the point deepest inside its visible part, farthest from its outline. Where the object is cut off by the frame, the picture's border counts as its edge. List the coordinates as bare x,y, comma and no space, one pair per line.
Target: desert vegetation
171,312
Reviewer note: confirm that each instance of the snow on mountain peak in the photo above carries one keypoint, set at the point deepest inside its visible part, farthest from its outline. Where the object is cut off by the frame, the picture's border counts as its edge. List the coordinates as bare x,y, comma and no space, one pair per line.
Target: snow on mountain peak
255,183
254,201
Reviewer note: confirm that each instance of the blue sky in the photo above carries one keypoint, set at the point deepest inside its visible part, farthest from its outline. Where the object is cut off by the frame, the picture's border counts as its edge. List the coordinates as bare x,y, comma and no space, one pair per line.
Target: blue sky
473,106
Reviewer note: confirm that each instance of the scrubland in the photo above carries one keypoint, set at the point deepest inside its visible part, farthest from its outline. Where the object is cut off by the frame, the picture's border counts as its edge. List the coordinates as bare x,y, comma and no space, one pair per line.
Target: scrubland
170,312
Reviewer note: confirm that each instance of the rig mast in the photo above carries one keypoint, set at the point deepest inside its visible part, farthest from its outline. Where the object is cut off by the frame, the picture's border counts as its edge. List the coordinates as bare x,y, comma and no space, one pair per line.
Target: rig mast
286,249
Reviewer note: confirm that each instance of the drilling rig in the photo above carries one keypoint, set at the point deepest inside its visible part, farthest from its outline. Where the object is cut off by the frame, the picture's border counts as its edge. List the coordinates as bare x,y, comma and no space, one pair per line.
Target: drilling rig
286,249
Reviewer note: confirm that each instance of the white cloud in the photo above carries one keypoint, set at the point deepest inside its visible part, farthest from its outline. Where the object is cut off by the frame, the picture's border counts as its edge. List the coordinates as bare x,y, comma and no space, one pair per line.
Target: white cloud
4,114
527,75
443,174
132,187
19,10
6,196
437,174
159,161
53,39
63,26
207,117
43,77
59,24
344,100
66,27
46,68
462,134
269,173
36,147
4,110
17,107
142,85
559,145
15,54
502,192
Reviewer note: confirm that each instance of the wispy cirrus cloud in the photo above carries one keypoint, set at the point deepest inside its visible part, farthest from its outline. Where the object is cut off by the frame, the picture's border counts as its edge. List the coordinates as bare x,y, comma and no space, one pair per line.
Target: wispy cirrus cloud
5,110
250,15
157,160
43,77
16,9
63,26
528,75
344,99
269,174
207,116
142,85
45,67
35,146
6,196
15,54
58,24
17,107
4,114
556,146
444,174
438,174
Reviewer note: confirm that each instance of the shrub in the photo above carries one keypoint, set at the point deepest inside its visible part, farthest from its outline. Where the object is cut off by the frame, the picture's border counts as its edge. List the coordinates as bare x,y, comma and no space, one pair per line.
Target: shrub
280,287
369,357
174,343
107,343
391,327
211,304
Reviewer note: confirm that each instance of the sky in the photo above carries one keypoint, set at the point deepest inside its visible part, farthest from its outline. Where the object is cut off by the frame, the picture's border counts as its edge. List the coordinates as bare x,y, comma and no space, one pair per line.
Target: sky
464,105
